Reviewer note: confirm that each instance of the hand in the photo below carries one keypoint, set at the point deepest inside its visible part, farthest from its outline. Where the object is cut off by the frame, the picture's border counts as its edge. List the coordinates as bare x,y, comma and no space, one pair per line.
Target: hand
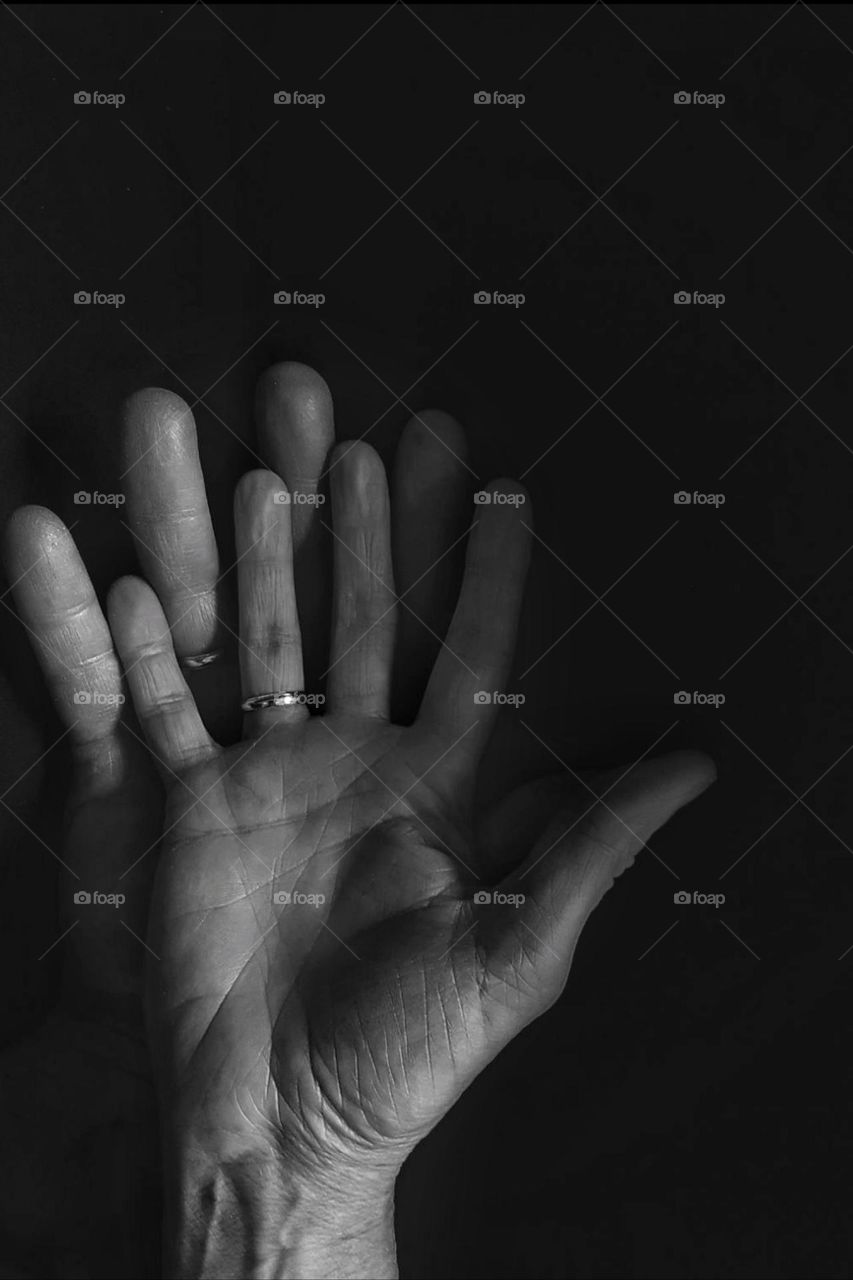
327,982
80,1116
81,1135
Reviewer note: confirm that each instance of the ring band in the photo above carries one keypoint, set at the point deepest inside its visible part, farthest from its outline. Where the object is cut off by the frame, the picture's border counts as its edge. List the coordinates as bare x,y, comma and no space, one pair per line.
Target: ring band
282,698
197,660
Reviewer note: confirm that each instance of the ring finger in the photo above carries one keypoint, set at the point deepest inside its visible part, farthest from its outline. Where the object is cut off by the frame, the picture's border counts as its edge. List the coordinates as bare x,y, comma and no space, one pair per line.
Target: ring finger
270,641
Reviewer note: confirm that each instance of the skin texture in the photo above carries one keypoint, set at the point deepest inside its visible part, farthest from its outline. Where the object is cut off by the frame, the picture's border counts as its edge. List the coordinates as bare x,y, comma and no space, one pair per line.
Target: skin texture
323,979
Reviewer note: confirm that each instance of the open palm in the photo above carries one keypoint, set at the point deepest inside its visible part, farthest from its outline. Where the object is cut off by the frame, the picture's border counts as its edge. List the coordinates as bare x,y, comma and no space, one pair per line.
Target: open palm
337,943
333,963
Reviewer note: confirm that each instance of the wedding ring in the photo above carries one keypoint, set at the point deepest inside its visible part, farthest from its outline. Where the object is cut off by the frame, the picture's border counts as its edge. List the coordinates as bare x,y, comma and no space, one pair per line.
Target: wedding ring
282,698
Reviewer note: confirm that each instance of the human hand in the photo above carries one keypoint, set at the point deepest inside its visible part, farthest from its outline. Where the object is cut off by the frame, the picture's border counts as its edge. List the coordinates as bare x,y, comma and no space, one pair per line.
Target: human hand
81,1131
327,982
80,1116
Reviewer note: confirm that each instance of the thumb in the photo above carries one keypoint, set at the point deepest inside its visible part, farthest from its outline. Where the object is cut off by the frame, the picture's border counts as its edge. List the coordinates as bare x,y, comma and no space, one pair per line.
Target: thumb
580,854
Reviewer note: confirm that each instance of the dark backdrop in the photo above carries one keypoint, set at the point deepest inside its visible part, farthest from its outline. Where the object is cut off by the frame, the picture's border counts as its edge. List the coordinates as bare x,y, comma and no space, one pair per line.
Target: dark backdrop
679,1110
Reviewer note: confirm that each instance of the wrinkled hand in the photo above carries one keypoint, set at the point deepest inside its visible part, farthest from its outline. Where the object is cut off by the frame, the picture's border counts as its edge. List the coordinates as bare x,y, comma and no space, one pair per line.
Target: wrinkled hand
337,946
334,964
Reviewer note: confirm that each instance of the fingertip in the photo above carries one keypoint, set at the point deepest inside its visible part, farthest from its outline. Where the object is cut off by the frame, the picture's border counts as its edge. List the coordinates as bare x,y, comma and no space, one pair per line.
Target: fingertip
508,492
123,586
352,452
358,474
434,427
256,489
132,605
41,557
33,526
295,422
288,382
156,404
507,496
297,397
697,766
664,784
122,593
155,414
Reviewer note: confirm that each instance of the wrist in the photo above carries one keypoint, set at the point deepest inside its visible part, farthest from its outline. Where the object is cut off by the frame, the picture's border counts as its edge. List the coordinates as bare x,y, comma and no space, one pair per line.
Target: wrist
250,1215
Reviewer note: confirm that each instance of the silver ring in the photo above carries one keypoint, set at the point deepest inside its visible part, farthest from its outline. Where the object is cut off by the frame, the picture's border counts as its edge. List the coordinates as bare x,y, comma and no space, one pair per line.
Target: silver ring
197,660
282,698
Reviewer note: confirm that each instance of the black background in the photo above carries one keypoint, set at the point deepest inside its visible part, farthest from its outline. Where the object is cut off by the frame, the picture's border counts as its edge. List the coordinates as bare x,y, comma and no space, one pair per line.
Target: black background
680,1111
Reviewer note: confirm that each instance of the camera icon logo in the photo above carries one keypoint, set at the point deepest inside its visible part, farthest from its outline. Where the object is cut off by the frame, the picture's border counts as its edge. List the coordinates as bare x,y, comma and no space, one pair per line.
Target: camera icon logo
482,698
82,697
281,899
682,698
82,498
82,898
482,99
681,98
482,498
681,898
682,298
82,298
483,298
282,299
82,98
682,498
282,99
281,498
481,897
